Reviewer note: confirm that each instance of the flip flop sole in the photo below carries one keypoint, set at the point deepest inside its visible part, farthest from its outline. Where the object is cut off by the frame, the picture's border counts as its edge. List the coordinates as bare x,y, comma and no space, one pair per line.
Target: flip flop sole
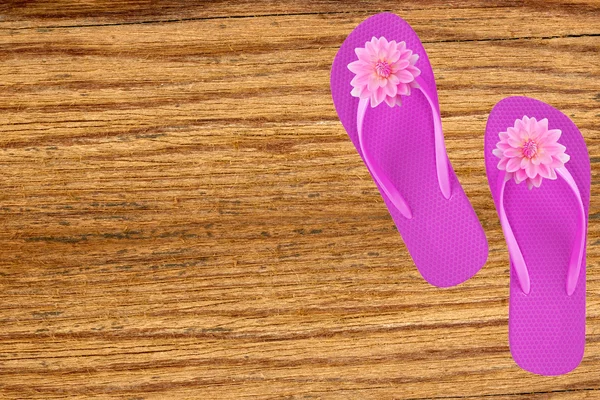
444,237
546,326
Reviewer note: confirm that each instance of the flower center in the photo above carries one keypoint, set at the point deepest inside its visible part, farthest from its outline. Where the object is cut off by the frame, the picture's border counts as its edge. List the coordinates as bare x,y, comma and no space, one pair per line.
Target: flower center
530,148
383,69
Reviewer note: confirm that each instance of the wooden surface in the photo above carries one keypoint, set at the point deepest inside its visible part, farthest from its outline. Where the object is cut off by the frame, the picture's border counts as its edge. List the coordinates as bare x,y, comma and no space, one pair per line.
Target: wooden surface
183,216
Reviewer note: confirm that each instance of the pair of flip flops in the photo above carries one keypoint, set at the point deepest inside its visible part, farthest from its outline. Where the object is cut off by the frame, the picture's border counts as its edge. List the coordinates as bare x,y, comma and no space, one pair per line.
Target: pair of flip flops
538,170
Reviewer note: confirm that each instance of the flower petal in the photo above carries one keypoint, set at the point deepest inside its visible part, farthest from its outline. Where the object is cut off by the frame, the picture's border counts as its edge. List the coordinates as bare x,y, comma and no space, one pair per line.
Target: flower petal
413,70
405,54
520,176
518,124
502,163
514,142
398,101
404,76
403,89
363,54
544,171
373,83
380,95
374,102
391,101
529,184
498,153
391,89
359,81
512,152
513,165
357,66
540,130
397,66
556,163
370,46
544,158
393,56
554,148
356,91
532,125
531,169
551,136
564,158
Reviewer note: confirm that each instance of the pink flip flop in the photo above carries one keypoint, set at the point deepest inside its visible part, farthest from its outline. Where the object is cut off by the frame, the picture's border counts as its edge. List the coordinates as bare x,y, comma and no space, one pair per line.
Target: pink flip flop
385,95
538,170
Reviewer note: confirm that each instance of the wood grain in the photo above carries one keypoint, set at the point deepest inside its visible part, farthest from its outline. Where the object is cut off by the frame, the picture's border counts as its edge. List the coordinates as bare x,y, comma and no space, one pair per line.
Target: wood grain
184,217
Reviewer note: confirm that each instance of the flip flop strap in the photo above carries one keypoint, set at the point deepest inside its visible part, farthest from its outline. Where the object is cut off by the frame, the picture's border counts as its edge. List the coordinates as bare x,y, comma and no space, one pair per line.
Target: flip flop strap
514,251
441,158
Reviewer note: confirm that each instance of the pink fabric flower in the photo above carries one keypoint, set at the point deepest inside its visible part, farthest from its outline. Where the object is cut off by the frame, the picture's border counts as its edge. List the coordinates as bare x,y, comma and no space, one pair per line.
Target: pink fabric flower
529,151
384,71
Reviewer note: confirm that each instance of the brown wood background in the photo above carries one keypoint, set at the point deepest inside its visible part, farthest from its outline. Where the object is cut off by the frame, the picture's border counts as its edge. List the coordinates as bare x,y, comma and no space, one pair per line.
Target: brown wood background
183,216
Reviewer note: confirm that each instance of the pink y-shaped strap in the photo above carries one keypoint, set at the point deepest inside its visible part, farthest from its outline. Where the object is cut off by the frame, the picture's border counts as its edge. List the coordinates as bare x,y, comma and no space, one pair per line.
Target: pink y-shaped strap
513,247
441,159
